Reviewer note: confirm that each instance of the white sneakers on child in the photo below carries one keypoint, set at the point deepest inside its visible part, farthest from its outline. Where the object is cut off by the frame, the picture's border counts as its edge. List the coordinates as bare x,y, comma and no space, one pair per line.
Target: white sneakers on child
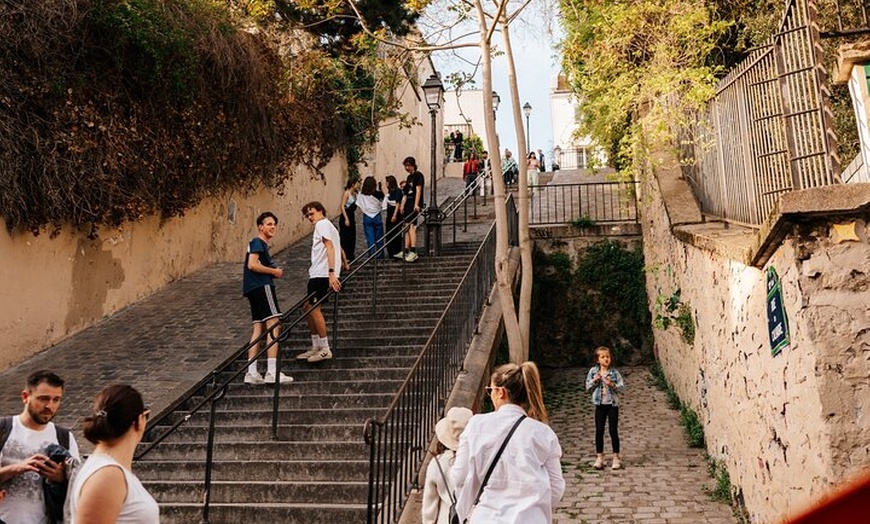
616,463
599,463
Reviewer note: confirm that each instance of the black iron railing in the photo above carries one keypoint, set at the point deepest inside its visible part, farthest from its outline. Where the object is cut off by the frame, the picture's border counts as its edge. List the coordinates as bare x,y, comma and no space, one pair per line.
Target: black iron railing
595,202
398,440
213,390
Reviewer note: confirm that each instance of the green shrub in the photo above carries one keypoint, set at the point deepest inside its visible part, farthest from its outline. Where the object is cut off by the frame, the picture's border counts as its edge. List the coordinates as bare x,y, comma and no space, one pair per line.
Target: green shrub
693,427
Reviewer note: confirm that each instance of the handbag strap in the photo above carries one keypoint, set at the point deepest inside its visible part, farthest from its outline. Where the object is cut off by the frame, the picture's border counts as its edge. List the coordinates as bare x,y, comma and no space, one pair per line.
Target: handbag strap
496,457
443,476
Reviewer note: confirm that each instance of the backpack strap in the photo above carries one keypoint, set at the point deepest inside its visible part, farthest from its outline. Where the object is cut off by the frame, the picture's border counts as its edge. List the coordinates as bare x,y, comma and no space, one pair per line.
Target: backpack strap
62,436
443,476
5,430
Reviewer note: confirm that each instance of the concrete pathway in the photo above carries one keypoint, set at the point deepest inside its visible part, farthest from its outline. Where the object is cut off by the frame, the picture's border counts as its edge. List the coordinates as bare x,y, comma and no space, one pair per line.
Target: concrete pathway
663,480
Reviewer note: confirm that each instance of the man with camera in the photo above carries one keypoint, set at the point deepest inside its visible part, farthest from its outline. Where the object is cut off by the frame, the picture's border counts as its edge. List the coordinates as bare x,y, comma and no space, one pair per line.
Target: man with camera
33,465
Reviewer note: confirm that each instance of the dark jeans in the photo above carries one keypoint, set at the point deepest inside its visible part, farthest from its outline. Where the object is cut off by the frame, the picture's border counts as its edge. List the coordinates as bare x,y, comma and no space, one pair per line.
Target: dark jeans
611,413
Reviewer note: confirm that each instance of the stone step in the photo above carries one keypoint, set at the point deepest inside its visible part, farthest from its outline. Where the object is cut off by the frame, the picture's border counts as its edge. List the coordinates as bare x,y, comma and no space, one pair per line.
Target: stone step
261,492
260,398
290,450
354,415
329,513
277,470
261,431
340,387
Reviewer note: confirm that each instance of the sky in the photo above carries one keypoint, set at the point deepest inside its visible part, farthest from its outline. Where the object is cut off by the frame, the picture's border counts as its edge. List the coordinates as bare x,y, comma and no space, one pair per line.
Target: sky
537,64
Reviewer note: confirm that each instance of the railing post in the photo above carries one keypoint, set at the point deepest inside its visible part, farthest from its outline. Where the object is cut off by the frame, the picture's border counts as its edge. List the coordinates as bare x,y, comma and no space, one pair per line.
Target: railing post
209,457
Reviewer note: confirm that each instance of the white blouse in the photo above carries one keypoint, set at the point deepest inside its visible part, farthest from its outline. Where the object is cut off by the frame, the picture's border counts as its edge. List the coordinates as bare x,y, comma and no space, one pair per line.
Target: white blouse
436,495
139,506
526,483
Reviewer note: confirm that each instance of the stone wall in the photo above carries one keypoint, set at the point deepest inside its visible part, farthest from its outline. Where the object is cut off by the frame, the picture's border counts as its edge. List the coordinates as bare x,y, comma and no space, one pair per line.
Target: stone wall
793,426
55,287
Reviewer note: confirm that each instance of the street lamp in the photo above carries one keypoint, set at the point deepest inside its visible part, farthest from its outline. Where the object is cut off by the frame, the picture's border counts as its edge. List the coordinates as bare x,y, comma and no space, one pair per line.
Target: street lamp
527,109
433,90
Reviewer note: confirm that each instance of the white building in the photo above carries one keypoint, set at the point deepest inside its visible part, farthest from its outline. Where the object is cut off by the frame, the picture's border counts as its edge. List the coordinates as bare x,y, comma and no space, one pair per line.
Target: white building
463,111
570,151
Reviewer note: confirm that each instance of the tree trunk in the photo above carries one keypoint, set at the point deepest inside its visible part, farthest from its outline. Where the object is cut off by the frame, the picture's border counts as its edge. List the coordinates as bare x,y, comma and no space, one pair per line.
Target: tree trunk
525,304
502,246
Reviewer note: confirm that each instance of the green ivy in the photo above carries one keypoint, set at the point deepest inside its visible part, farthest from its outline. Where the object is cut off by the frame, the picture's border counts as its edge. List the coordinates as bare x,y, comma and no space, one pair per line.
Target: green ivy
671,310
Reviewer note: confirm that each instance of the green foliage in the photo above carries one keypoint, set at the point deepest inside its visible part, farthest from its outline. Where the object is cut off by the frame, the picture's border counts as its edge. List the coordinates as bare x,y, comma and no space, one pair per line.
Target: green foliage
582,222
692,426
125,109
599,302
722,491
672,311
660,49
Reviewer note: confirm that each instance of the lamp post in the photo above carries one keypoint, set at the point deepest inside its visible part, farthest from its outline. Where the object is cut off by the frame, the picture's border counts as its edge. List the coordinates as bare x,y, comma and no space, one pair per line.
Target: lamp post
433,90
527,109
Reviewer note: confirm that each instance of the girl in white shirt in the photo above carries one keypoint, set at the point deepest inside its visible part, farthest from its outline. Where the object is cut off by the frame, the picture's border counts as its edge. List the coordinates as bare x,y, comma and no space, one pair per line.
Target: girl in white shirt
105,489
526,483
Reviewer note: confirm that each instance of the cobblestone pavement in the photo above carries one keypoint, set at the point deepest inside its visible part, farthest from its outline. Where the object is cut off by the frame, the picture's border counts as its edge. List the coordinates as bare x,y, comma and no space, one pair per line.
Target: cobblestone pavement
166,343
663,480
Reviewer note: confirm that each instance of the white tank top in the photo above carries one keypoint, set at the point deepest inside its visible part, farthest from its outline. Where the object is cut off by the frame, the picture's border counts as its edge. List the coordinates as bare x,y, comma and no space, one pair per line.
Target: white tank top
139,506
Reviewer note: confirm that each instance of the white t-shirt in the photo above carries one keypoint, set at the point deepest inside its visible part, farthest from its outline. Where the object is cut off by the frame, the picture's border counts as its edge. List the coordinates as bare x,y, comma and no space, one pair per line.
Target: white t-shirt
139,506
370,205
24,502
319,266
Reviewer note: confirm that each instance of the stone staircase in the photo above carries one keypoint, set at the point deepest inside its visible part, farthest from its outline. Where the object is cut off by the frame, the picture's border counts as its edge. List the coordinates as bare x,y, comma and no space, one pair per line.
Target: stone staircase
317,471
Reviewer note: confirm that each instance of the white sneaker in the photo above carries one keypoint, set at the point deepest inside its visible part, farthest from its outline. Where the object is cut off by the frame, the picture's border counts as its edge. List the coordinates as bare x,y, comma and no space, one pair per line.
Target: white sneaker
269,378
411,256
322,354
399,256
253,378
306,354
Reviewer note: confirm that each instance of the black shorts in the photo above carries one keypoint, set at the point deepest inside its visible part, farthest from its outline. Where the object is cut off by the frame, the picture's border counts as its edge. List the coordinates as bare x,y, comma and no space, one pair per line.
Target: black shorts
264,304
410,216
320,287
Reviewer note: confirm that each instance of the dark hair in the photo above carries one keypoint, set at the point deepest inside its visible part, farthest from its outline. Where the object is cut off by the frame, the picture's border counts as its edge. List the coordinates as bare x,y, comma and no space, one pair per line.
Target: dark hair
391,182
263,216
317,206
43,375
351,182
523,385
532,155
116,408
369,185
410,161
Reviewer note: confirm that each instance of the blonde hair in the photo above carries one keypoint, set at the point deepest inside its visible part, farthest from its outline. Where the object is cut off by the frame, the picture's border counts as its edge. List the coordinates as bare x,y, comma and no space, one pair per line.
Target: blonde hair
601,349
523,385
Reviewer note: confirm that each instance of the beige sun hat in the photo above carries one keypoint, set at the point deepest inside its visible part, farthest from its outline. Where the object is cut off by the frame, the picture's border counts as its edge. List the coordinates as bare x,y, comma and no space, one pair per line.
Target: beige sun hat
451,426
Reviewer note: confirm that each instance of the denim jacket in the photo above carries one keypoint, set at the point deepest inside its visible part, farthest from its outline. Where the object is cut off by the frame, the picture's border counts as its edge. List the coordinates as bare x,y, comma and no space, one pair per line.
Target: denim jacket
614,376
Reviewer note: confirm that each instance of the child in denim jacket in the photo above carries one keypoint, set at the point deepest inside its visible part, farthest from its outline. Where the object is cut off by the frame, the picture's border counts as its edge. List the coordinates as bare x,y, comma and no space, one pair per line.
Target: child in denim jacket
606,385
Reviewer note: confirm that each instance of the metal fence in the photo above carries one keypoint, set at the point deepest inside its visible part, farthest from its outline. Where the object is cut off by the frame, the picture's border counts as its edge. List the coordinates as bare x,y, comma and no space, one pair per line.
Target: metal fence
398,440
592,202
769,129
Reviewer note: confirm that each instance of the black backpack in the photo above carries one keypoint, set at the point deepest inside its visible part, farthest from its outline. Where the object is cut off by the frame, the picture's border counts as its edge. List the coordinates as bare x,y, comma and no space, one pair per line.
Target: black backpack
54,494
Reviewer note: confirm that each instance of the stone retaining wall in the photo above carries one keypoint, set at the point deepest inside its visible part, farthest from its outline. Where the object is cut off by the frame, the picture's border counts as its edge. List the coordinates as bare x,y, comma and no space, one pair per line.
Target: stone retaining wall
793,426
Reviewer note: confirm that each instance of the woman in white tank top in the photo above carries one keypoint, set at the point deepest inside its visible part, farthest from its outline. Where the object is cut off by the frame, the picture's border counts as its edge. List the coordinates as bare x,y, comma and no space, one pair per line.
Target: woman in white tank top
105,490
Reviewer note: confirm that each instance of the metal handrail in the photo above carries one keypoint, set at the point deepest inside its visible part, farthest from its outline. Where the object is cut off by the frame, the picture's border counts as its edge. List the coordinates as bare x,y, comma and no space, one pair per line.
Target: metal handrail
218,392
600,202
397,440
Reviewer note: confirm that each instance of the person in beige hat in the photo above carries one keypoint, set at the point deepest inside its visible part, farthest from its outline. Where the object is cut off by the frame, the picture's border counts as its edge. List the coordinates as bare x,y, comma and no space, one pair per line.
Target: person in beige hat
437,491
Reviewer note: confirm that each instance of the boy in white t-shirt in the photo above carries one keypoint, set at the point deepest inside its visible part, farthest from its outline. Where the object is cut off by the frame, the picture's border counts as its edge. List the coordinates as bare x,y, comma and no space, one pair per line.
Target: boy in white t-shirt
326,263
